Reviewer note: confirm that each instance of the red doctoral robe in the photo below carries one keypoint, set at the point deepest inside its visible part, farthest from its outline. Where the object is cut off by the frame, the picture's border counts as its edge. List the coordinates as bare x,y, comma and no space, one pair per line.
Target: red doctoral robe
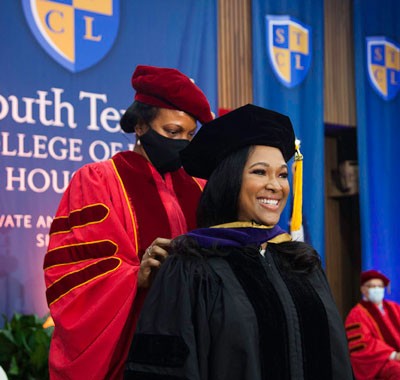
372,337
110,213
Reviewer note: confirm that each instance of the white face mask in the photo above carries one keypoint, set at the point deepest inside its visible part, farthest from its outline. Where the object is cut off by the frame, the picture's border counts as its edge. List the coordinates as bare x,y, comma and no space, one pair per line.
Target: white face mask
375,295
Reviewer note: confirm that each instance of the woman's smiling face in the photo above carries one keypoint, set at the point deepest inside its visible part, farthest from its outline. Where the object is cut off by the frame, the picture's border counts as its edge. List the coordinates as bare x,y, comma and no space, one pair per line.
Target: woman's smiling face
265,186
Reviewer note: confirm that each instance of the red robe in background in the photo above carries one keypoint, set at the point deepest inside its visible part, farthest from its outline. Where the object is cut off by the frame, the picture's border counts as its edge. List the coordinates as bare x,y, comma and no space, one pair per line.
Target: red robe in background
110,213
372,337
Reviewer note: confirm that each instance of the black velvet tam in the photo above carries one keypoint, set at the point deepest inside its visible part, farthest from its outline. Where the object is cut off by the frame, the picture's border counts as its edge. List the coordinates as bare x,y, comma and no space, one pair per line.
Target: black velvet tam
244,126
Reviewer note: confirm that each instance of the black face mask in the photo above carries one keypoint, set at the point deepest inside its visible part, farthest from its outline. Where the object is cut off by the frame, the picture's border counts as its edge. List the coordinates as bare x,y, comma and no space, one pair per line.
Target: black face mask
163,152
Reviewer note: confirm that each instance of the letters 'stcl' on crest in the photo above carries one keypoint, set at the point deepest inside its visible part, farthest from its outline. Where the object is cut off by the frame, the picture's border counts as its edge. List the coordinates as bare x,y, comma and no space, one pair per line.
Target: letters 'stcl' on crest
289,48
383,62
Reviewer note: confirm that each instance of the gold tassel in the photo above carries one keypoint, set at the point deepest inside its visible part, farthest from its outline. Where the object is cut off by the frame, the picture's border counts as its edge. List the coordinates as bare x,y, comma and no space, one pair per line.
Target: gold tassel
297,217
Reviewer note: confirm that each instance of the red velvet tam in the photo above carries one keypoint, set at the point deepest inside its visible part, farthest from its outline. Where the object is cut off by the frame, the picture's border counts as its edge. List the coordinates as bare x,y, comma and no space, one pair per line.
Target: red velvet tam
370,274
169,88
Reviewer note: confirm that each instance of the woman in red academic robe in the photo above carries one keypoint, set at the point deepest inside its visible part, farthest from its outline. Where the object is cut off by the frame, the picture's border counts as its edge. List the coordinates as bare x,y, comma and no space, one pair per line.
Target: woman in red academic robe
114,224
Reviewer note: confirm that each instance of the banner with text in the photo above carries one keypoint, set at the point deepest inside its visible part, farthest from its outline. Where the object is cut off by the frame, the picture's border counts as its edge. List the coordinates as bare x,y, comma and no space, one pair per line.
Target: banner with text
65,81
377,59
288,78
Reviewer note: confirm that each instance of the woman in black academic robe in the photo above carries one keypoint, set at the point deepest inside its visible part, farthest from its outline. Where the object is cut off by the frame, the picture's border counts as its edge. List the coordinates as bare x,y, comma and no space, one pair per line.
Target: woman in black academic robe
237,299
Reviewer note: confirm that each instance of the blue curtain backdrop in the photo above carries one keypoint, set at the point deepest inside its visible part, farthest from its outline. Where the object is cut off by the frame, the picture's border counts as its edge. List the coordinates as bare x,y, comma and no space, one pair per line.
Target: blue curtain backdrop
377,60
288,77
60,107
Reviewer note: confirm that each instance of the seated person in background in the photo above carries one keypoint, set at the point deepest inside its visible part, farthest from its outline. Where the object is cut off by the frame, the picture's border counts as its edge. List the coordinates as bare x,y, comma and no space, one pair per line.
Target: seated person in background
237,299
373,331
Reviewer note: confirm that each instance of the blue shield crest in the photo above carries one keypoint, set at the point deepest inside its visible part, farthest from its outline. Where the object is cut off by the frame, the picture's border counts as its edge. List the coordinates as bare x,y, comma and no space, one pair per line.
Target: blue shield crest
383,62
76,33
289,48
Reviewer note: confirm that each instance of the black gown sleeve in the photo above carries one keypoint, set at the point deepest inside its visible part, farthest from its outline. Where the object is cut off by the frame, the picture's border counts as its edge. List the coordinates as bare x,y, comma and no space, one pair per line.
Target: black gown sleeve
172,338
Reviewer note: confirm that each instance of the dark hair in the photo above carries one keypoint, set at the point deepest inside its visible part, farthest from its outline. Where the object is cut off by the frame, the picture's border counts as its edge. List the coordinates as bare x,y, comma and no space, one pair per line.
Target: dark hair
297,256
219,201
291,256
137,113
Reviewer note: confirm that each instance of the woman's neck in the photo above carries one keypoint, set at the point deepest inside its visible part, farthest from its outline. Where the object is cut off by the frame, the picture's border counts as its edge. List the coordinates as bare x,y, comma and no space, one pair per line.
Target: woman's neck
138,148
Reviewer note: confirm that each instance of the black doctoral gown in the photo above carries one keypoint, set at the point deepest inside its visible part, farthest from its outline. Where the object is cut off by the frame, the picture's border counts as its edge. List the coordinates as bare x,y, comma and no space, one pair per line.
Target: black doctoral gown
229,313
